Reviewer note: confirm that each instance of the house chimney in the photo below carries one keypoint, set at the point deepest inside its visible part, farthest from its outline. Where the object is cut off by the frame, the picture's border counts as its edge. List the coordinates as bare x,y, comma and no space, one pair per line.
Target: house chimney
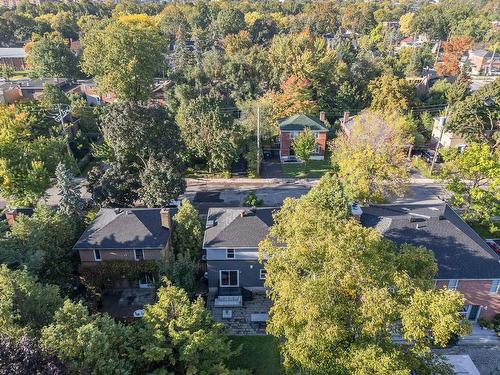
356,211
166,219
322,116
10,215
345,118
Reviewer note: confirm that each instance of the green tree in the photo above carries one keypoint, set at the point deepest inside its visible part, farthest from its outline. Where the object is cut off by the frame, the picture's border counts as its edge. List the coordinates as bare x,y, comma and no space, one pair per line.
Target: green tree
71,203
6,71
473,177
49,56
390,94
476,116
181,336
183,272
187,236
124,56
43,243
304,146
25,304
229,21
371,160
339,291
93,343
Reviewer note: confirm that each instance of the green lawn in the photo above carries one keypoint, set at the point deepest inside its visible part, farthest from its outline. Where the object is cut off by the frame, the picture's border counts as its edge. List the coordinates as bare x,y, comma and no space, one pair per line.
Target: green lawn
315,169
259,354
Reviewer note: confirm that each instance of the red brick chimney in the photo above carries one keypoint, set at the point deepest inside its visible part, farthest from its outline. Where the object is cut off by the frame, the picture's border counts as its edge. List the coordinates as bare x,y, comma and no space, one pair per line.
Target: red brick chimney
322,116
10,215
166,219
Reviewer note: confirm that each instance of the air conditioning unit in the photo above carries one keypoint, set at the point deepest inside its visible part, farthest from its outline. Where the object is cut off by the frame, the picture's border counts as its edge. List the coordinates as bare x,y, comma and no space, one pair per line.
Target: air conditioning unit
227,314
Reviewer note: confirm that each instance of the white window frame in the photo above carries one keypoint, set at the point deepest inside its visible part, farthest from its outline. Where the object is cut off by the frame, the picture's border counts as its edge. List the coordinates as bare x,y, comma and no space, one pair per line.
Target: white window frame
262,271
453,284
233,252
495,286
135,254
317,134
97,251
147,285
317,149
229,278
294,134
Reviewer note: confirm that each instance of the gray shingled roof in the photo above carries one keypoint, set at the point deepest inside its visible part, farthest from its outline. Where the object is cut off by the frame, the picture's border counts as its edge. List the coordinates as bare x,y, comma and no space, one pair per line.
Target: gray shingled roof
460,252
134,228
300,122
232,230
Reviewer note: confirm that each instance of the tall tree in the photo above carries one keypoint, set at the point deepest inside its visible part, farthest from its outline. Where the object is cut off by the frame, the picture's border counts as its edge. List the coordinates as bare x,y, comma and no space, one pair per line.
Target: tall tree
187,236
390,94
25,304
92,343
371,160
339,291
452,52
49,56
181,336
476,116
304,146
124,56
71,204
473,177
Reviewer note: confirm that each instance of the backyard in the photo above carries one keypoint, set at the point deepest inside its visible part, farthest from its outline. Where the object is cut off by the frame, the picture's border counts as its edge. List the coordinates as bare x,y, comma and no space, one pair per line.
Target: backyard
259,354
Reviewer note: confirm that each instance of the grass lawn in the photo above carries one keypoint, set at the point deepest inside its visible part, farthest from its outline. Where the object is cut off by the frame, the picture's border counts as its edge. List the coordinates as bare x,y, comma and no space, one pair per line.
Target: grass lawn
259,354
315,169
485,231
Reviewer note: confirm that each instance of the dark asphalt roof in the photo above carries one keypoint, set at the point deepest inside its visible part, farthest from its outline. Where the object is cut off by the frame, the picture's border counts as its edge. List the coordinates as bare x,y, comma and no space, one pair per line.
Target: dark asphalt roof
460,252
231,229
300,122
127,228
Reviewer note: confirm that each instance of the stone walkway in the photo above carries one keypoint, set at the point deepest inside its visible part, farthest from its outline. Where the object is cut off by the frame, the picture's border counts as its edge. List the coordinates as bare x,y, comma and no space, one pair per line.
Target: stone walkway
240,324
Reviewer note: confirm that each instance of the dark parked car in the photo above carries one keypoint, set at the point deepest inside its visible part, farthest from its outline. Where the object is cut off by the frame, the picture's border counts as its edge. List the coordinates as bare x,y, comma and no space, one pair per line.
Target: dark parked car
428,155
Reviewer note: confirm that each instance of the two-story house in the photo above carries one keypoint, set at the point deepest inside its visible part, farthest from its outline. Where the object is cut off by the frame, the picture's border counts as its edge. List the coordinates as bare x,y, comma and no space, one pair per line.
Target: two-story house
291,127
230,245
466,263
130,235
445,137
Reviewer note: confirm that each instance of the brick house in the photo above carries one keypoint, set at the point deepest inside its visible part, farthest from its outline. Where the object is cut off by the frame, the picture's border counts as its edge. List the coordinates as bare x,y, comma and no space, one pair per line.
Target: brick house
465,261
484,62
130,235
291,127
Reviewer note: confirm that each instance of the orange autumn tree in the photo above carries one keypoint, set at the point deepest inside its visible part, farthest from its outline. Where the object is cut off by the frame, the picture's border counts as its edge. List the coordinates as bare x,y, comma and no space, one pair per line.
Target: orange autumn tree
295,97
453,51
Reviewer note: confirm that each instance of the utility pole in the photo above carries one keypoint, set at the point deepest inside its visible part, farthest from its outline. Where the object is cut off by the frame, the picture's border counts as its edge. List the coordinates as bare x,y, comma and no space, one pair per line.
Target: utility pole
434,157
258,141
59,117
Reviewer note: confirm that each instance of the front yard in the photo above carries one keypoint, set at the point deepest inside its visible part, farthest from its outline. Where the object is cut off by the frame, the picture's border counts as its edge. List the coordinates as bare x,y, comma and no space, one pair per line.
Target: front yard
315,169
259,354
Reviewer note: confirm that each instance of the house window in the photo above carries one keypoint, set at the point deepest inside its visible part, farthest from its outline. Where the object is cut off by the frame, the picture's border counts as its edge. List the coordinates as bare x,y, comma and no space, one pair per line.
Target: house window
262,274
139,254
229,253
229,278
453,284
495,286
97,255
294,135
317,135
146,281
317,149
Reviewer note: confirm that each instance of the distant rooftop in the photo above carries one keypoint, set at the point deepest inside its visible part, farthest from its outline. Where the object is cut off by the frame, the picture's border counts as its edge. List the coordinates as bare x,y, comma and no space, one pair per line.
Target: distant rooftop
460,252
300,122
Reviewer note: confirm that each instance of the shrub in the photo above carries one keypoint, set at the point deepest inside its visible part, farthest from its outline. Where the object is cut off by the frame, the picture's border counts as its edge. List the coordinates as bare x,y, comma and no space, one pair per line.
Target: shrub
251,200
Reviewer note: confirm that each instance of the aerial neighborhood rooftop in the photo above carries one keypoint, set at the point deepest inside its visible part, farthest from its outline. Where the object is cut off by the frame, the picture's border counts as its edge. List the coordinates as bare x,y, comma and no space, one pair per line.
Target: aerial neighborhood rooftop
250,187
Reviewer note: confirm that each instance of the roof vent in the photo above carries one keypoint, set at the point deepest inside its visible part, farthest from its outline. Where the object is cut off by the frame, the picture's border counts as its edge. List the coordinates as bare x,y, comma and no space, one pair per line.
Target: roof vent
210,223
118,211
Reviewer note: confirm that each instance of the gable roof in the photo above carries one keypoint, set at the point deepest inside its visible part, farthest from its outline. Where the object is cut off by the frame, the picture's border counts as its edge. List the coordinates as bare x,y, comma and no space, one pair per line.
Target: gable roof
460,252
127,228
237,227
300,122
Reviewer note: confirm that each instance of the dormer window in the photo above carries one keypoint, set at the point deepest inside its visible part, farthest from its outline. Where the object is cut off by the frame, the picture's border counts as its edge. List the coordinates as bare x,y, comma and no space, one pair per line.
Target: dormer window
139,254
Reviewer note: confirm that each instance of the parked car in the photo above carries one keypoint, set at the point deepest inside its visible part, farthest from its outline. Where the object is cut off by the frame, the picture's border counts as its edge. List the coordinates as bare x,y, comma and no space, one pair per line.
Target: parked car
495,245
428,155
